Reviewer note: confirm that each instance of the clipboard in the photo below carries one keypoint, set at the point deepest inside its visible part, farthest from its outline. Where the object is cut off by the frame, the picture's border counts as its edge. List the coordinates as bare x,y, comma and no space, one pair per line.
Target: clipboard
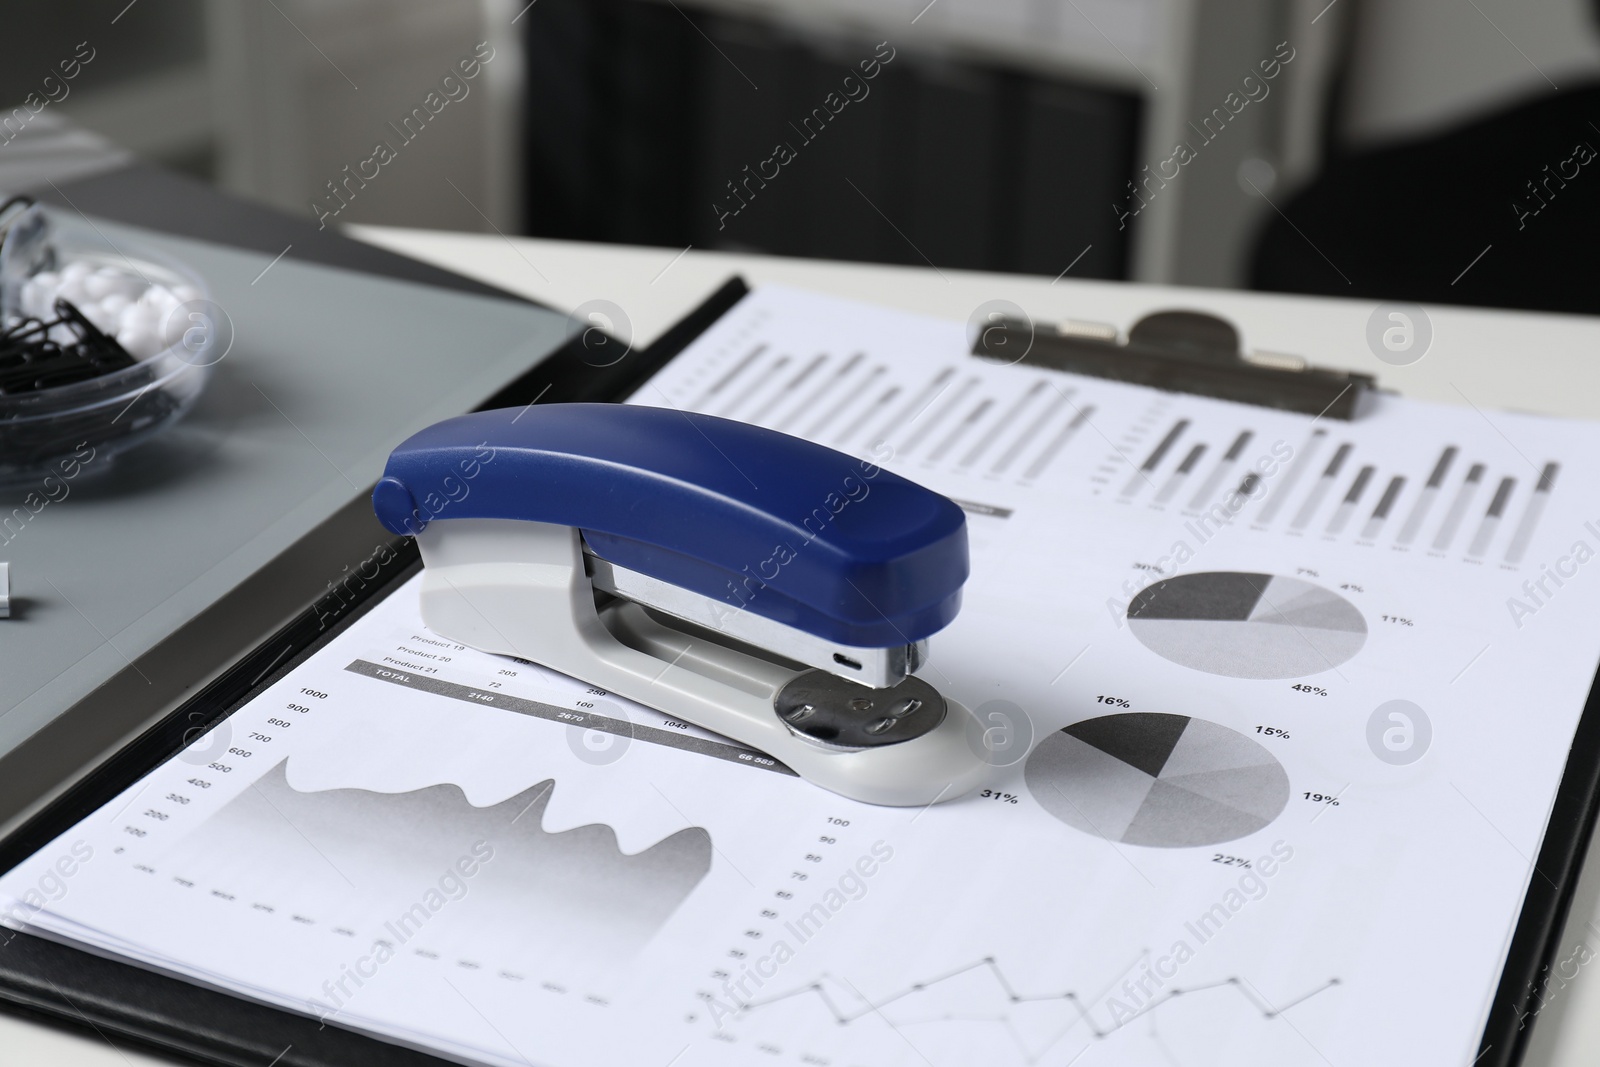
50,981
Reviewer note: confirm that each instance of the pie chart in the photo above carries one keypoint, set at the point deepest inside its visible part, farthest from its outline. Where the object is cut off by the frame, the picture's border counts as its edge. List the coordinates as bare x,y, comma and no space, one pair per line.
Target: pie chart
1247,625
1164,781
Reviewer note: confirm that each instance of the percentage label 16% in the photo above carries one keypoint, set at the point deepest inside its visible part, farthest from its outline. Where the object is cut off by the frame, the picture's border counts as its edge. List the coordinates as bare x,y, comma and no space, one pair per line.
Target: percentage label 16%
1116,702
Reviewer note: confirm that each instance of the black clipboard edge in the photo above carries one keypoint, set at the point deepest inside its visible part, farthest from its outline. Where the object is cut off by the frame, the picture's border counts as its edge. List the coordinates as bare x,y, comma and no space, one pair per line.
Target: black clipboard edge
62,985
1536,942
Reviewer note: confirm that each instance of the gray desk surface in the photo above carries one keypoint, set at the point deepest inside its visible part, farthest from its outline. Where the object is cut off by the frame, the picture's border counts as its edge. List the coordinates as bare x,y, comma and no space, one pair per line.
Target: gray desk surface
329,370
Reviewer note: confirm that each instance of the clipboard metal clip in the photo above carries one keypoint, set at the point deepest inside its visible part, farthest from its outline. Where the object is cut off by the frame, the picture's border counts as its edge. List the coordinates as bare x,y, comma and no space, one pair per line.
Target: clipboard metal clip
1182,352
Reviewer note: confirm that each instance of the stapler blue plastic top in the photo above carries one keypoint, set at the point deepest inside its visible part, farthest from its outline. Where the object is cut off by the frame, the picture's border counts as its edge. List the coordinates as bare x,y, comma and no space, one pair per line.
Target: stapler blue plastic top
764,587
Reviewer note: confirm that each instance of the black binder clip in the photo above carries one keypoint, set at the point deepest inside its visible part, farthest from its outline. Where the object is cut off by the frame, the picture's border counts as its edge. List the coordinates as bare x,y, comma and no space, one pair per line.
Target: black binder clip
1181,352
36,354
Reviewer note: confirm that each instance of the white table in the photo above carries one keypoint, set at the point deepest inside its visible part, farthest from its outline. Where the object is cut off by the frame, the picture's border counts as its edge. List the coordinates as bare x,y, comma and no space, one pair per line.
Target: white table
1491,359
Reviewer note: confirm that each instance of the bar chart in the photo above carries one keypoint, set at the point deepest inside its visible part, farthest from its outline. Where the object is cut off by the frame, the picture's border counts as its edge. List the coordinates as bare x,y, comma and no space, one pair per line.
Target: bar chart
1489,516
951,417
932,411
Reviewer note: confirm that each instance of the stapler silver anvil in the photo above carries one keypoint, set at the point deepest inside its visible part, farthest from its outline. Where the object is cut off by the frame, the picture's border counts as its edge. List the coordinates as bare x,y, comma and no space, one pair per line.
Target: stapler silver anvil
769,589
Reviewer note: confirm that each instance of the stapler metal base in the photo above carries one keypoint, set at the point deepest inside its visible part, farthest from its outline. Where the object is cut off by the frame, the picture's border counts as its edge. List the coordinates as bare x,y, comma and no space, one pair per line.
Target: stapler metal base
522,588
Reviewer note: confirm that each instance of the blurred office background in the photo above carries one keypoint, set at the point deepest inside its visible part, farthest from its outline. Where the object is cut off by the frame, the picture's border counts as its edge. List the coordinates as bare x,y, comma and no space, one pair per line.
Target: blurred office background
1366,147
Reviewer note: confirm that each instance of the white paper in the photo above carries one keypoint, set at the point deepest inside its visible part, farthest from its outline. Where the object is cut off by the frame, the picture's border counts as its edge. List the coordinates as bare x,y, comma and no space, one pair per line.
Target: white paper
398,847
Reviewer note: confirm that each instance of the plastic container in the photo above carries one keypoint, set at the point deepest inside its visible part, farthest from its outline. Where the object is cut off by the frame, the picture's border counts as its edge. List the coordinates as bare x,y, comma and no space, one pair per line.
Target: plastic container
52,430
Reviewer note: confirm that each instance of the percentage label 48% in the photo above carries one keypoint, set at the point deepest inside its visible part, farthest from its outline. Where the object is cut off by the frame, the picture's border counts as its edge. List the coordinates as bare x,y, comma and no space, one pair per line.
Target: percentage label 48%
1310,690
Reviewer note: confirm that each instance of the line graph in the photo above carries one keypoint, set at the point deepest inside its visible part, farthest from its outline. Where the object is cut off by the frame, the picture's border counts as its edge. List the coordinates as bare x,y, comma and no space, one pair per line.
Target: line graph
832,991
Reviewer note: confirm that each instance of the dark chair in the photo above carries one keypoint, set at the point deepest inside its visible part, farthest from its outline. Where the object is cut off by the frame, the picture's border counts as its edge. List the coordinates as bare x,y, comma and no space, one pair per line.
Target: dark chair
1520,188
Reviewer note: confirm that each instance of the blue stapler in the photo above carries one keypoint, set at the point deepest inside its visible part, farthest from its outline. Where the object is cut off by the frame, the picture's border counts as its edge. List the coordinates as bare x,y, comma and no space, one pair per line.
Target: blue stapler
772,590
